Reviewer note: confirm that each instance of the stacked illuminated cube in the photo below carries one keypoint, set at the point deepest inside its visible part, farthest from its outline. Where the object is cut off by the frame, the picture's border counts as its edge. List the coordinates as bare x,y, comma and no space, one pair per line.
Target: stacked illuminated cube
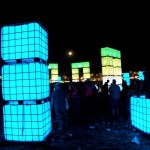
126,77
25,82
54,72
75,70
111,65
141,75
140,113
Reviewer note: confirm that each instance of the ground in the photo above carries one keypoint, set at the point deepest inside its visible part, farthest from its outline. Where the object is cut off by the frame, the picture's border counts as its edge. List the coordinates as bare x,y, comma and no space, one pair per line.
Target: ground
104,133
101,134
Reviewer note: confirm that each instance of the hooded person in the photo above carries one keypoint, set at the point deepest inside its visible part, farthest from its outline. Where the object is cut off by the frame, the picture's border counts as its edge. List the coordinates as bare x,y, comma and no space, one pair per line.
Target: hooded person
58,103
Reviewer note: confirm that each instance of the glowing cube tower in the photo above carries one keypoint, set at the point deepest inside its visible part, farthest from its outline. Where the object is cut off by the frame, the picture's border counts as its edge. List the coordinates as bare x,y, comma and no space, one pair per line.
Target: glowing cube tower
54,72
25,82
111,65
75,70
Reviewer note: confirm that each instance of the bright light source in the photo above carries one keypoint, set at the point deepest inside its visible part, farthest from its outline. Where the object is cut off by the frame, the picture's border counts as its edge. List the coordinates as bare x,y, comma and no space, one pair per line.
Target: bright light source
70,53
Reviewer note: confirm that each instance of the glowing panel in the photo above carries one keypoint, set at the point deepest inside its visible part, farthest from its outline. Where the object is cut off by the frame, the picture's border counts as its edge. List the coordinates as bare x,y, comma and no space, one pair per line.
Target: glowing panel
28,40
54,71
54,77
59,78
80,65
116,53
141,75
126,77
106,51
116,62
75,76
27,122
25,81
107,61
117,71
107,71
86,75
86,70
75,71
140,113
53,66
85,64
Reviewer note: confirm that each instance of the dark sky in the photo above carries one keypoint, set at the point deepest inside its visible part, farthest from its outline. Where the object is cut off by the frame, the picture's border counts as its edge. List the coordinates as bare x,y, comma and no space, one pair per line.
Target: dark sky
86,29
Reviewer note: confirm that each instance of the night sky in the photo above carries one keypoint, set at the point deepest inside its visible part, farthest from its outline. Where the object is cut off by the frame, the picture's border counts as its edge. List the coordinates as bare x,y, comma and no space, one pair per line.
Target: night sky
85,30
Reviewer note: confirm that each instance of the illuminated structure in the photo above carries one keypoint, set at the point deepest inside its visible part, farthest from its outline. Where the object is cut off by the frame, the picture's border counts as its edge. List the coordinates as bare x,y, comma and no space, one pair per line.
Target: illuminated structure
126,77
140,113
111,65
25,82
141,75
75,70
54,72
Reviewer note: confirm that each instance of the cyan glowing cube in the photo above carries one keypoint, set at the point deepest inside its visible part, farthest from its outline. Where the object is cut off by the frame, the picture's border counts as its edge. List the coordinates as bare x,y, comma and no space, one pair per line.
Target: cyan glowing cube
28,40
25,81
140,113
126,75
27,122
141,75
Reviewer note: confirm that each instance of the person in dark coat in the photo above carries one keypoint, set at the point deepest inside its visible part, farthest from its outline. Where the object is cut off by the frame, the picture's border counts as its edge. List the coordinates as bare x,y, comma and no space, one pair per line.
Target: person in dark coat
58,103
115,92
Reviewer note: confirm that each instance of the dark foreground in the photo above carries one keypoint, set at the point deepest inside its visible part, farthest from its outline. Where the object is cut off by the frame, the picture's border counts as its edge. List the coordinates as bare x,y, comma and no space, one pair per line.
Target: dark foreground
103,133
100,132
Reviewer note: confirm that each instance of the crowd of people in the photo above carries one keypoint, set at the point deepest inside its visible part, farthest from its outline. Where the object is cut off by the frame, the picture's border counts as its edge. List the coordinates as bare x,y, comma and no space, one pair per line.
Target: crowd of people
87,99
